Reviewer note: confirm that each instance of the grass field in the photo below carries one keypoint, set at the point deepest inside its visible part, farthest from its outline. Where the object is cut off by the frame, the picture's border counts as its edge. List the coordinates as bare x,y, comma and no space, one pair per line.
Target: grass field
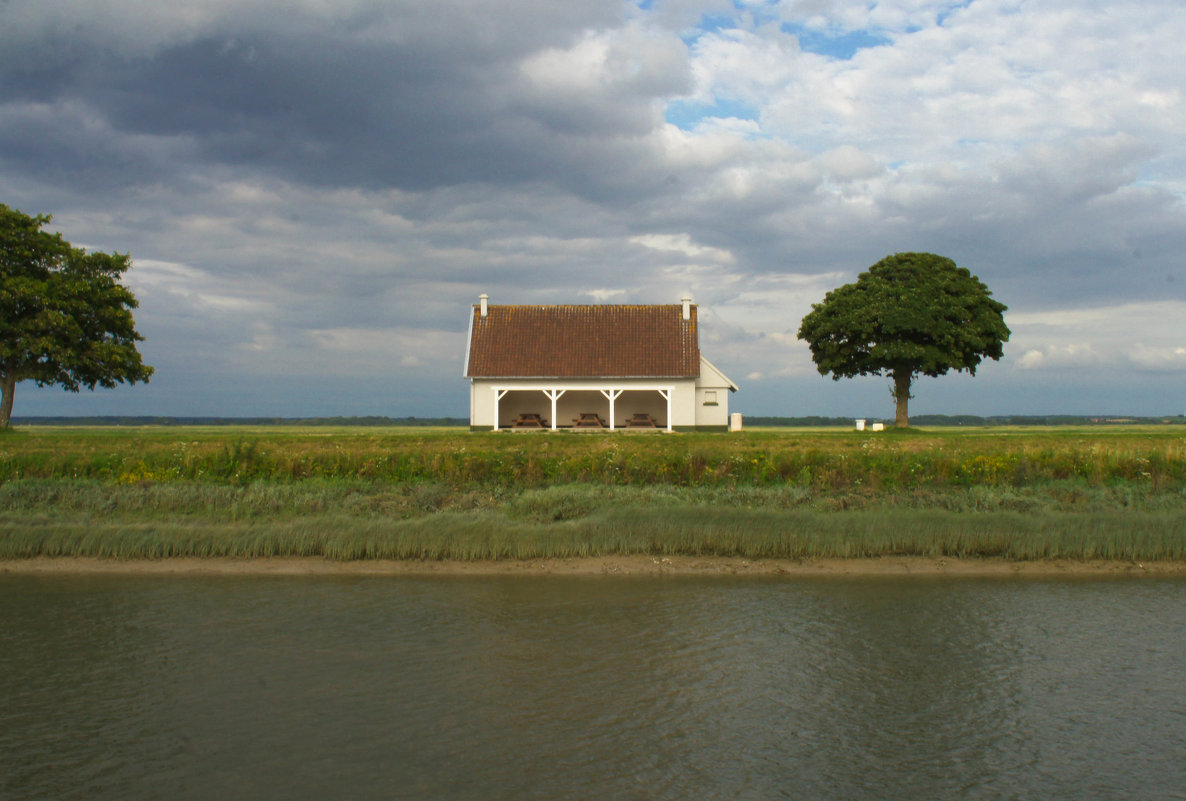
823,459
349,493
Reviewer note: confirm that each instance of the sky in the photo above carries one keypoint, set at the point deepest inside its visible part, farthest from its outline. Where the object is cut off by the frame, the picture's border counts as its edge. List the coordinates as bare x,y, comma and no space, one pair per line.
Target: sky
315,192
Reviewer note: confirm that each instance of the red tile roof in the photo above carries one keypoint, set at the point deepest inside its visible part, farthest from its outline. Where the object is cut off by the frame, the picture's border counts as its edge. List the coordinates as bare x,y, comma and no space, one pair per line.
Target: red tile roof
604,341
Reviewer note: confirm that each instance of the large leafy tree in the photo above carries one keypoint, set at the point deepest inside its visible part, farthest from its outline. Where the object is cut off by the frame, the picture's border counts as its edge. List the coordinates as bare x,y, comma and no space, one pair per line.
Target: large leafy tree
910,314
65,319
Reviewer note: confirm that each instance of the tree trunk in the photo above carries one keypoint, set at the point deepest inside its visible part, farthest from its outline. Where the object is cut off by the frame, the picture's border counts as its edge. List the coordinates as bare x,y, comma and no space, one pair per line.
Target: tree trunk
7,387
902,378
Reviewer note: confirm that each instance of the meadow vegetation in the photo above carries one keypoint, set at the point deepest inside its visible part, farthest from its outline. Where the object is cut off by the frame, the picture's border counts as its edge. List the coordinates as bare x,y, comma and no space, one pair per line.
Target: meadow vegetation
350,493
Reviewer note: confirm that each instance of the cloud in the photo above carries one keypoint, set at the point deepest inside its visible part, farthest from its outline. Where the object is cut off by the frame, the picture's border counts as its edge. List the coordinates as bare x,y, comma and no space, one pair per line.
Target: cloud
605,295
1120,339
1059,357
606,82
847,163
1169,359
683,244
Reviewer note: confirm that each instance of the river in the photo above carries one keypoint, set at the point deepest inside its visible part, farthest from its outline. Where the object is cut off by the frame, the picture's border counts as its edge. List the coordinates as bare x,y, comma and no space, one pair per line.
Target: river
481,687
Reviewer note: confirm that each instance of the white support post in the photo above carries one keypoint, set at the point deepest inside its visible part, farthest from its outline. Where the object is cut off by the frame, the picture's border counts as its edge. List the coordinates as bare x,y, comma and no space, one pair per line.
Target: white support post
666,393
611,395
498,393
554,395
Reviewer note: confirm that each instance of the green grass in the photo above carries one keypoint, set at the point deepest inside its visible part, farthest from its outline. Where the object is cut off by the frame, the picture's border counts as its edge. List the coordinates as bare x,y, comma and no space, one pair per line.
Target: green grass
829,460
349,493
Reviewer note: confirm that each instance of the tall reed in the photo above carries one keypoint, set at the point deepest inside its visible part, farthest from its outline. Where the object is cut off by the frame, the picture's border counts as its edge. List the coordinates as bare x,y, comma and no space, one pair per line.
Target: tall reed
754,534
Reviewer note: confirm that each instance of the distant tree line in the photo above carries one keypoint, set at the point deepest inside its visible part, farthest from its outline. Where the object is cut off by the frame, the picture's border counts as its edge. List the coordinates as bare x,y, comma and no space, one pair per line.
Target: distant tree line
754,420
241,421
968,420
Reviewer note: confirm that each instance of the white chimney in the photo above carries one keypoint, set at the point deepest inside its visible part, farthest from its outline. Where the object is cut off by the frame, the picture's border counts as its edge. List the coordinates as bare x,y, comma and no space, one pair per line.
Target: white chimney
687,301
484,299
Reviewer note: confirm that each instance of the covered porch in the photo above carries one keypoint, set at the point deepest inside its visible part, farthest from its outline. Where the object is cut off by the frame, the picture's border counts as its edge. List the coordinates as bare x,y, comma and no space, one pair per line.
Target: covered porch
602,406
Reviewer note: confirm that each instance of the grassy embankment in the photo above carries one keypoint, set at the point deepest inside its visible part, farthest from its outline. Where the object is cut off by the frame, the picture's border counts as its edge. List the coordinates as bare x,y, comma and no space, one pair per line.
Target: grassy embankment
1081,493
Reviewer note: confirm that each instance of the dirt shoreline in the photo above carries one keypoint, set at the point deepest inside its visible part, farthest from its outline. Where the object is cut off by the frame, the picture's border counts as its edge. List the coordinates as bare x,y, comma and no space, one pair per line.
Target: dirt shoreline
596,566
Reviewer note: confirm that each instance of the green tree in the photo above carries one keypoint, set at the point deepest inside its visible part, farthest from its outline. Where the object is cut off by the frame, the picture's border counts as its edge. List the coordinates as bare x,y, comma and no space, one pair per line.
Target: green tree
65,319
910,314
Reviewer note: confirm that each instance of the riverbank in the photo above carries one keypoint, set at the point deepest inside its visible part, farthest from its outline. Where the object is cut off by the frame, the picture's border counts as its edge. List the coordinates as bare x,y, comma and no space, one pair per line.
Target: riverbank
639,565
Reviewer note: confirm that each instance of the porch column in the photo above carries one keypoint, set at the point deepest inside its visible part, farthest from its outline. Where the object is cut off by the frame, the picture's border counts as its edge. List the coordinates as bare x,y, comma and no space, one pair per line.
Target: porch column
612,395
554,395
498,393
666,393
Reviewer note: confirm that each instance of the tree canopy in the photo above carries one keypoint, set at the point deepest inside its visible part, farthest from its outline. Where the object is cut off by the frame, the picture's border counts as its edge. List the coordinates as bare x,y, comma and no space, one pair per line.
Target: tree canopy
909,314
65,319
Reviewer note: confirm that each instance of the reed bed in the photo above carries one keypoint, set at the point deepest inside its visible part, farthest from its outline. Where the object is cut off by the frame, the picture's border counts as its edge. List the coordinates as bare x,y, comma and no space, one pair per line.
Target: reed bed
755,534
360,521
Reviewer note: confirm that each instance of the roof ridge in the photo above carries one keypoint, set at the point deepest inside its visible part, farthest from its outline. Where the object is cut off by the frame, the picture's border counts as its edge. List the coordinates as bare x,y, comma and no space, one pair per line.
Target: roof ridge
585,305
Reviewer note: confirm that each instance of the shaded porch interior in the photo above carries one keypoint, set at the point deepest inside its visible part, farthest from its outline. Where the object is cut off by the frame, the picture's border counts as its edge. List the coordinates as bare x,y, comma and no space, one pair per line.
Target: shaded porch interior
583,409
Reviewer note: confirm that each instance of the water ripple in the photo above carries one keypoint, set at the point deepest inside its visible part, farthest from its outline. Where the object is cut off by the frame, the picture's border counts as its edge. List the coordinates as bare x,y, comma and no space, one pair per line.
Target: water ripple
500,688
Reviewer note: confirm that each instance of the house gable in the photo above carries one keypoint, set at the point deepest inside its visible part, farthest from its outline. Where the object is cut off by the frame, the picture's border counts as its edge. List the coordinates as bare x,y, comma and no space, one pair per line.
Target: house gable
711,376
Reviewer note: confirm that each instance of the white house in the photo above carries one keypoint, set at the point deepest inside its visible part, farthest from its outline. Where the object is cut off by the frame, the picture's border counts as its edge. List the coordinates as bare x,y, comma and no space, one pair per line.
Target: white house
592,367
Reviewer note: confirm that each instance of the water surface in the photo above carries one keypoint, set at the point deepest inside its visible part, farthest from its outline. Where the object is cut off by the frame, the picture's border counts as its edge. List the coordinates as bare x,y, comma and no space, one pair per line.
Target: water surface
134,687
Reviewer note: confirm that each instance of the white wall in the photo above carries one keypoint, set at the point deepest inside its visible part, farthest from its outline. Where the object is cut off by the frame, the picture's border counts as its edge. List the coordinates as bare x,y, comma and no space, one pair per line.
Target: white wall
688,399
712,415
712,381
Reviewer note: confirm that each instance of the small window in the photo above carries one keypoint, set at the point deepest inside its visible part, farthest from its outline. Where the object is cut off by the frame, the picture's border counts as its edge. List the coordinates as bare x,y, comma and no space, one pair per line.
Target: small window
710,397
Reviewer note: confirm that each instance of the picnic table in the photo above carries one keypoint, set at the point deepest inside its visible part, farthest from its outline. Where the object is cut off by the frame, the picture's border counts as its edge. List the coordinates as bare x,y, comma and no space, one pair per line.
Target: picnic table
641,420
588,420
529,420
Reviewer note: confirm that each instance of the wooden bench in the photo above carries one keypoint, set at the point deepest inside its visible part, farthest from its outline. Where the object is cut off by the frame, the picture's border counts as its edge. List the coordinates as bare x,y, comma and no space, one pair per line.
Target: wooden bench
529,420
588,420
641,420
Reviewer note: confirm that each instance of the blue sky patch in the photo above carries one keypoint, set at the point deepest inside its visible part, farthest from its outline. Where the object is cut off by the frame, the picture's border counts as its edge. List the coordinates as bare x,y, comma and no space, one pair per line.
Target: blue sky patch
686,114
709,23
842,46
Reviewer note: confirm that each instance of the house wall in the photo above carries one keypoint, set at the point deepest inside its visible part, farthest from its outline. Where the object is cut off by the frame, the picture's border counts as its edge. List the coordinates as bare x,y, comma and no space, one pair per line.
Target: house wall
712,407
712,397
635,398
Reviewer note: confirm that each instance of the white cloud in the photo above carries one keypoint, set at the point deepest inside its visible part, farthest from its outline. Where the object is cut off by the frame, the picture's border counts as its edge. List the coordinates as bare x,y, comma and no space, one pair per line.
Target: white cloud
992,76
1167,317
682,243
847,163
606,80
1059,357
604,295
151,279
1167,358
1144,336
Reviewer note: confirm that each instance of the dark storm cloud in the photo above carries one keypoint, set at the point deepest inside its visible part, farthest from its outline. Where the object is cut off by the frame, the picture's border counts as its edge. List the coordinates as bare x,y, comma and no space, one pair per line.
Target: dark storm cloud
395,98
